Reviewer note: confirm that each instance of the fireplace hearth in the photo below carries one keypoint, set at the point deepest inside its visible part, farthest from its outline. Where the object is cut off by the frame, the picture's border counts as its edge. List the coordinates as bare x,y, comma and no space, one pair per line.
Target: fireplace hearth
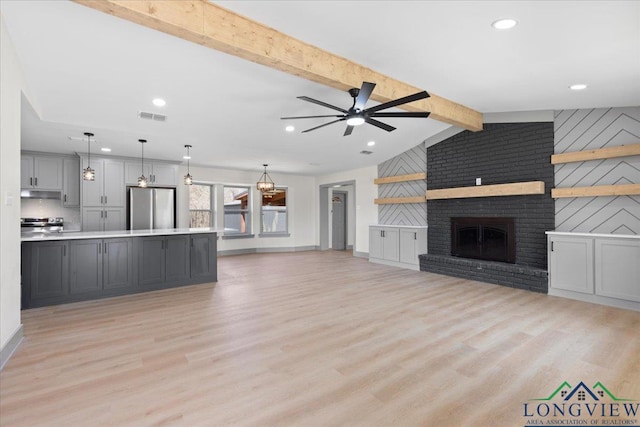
485,238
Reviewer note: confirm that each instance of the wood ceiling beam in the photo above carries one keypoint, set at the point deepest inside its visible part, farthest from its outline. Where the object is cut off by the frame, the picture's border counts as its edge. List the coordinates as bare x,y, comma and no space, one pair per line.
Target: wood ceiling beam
210,25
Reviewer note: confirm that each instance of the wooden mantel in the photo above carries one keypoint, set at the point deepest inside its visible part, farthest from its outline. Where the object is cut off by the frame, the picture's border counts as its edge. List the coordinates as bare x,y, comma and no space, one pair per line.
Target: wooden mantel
210,25
511,189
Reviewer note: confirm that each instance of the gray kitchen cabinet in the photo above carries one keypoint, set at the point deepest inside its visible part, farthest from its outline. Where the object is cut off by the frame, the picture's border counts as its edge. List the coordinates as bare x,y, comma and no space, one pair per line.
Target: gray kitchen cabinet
40,172
383,243
118,263
177,258
108,189
413,242
163,259
203,256
571,263
71,182
158,174
103,219
86,266
49,272
101,264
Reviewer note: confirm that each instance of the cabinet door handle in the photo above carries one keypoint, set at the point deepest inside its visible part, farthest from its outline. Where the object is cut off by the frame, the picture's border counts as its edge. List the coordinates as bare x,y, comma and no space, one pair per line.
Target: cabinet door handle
415,236
552,246
106,214
100,248
105,247
65,198
105,200
31,181
36,181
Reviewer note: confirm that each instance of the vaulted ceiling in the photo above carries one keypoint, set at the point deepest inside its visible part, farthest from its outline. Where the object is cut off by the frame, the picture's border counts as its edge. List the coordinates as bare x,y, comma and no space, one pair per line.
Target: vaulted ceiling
90,71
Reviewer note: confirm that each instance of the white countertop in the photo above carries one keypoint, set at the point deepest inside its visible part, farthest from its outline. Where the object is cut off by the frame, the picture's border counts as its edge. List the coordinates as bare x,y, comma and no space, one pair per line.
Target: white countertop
398,226
569,233
74,235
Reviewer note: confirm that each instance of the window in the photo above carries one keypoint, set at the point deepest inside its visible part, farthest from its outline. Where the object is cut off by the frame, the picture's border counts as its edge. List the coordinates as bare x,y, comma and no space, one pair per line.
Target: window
200,206
237,210
274,212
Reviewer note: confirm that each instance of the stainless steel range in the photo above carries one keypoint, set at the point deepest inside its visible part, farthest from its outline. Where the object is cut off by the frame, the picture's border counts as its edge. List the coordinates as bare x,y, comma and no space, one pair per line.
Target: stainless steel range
41,225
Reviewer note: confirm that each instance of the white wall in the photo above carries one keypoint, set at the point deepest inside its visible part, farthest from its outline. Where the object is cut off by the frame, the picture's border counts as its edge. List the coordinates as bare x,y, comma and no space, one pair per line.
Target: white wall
301,200
366,212
11,88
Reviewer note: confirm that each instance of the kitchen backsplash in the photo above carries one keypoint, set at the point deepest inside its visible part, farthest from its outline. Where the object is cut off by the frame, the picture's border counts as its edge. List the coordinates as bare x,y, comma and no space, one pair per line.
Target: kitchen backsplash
51,208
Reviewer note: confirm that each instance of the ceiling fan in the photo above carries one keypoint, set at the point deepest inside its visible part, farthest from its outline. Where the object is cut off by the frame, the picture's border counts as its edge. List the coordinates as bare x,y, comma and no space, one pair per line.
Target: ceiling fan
357,114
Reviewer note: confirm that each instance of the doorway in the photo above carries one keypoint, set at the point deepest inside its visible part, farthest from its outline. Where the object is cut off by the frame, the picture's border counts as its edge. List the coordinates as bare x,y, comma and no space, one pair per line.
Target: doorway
339,220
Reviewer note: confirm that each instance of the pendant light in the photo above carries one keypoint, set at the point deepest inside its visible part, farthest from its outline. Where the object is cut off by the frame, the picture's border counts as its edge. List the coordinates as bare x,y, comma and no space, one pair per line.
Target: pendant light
88,174
188,179
265,183
142,180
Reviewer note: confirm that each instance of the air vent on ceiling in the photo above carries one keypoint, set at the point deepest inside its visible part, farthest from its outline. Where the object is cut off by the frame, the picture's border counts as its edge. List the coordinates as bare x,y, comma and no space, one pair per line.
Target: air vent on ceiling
366,152
151,116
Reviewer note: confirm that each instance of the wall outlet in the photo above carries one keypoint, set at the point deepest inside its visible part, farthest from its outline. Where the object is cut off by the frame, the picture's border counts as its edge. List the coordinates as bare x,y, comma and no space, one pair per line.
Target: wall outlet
478,181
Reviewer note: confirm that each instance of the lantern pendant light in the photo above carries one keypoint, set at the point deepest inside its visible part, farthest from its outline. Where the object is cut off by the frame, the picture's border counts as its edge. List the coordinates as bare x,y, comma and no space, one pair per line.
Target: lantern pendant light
265,183
88,174
142,180
188,179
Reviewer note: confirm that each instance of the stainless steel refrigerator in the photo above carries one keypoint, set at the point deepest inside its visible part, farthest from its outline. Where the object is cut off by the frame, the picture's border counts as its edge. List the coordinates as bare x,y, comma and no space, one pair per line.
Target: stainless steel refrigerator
150,208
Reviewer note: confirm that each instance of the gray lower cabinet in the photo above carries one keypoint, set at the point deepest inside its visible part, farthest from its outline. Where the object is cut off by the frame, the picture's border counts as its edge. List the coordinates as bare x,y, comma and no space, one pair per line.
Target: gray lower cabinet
163,259
60,271
203,257
48,271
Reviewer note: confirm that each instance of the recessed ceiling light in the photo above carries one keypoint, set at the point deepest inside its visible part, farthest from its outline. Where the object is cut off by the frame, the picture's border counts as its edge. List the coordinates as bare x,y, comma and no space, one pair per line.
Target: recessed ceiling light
290,128
504,24
579,86
105,149
159,102
371,143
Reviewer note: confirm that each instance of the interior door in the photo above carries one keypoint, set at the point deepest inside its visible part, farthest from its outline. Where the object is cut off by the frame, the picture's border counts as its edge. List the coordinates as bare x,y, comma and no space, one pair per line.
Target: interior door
339,221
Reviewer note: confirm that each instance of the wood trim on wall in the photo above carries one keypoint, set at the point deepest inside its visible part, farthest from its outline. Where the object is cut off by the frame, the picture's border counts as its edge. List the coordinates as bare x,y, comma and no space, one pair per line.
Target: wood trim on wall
400,178
511,189
597,154
598,190
400,200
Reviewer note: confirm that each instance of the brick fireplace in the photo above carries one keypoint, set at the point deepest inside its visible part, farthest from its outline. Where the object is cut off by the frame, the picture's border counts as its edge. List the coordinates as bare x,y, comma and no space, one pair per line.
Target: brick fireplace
501,153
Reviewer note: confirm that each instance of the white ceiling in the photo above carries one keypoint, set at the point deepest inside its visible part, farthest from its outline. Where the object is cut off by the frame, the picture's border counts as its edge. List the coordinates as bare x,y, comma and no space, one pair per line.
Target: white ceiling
88,71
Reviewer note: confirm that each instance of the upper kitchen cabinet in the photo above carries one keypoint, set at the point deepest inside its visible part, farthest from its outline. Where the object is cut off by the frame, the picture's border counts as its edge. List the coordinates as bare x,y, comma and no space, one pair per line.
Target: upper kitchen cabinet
108,188
40,172
71,182
158,174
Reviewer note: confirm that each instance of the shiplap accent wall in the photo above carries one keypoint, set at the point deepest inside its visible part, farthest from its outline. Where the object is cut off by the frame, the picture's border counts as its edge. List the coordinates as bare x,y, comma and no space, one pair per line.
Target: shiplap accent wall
588,129
411,161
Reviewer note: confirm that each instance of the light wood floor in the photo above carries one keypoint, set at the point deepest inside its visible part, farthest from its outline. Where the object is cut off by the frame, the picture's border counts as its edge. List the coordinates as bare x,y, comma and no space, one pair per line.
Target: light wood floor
313,339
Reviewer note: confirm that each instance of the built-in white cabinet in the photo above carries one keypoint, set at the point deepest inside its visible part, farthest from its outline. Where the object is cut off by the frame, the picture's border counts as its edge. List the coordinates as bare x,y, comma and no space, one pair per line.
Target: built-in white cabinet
597,268
71,182
40,172
397,245
158,174
108,188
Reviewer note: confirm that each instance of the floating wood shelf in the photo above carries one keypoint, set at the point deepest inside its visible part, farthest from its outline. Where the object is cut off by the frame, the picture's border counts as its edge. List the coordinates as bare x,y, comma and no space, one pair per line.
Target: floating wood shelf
598,190
598,154
400,178
400,200
512,189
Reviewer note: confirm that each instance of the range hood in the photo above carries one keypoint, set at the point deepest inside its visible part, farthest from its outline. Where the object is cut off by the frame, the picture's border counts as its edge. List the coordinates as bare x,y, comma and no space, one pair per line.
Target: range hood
38,194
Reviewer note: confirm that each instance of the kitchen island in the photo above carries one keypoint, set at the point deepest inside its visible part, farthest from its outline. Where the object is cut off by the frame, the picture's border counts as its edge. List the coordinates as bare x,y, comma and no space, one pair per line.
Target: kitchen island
67,267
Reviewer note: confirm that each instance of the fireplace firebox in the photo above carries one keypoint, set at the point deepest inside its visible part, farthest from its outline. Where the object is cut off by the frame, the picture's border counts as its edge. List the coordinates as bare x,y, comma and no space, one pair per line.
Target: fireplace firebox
487,238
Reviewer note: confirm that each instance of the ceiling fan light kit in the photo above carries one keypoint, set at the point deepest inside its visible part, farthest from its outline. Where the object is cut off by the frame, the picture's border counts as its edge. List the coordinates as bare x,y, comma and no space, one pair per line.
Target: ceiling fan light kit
357,114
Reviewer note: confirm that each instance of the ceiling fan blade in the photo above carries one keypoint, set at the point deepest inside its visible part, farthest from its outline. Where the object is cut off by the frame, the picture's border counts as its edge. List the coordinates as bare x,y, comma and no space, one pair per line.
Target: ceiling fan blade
348,131
399,101
364,94
381,125
324,104
321,126
308,117
401,114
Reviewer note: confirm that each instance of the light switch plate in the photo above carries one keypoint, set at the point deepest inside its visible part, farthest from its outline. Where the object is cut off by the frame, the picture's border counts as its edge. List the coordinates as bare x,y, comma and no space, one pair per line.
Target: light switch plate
478,181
